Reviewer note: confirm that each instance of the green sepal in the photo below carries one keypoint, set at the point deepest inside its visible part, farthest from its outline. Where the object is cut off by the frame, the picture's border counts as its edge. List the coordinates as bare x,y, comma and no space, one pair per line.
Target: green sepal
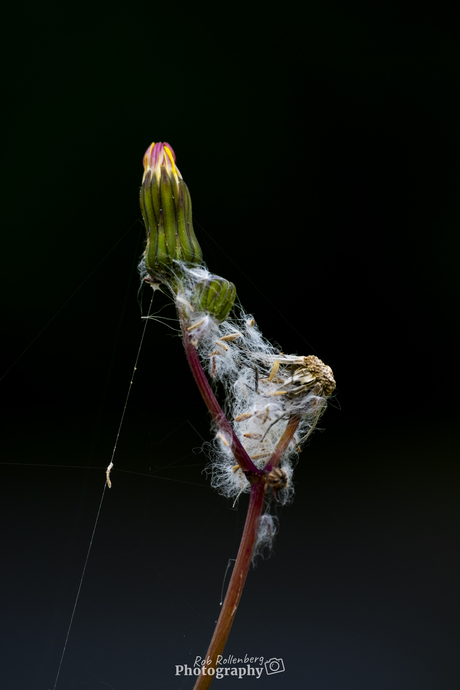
167,211
187,245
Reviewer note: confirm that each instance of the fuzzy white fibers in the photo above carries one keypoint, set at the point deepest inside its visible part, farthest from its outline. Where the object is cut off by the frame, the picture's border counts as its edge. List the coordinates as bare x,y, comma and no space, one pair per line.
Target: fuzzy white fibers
262,388
268,527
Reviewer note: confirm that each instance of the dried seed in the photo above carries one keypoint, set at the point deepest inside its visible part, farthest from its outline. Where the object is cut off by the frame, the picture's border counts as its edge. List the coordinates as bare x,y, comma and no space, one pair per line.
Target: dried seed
198,323
245,415
223,439
267,414
231,337
274,370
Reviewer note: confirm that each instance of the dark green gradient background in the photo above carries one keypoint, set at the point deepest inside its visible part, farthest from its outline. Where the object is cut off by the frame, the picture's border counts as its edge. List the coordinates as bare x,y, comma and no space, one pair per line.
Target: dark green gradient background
321,148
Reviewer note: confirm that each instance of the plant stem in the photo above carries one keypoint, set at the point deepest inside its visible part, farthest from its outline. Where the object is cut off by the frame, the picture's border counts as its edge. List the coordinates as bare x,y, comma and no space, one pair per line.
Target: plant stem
243,561
283,443
242,458
258,479
236,584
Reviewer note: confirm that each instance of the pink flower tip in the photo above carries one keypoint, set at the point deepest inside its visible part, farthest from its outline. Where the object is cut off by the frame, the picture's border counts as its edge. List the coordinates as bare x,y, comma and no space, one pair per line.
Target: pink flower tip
160,154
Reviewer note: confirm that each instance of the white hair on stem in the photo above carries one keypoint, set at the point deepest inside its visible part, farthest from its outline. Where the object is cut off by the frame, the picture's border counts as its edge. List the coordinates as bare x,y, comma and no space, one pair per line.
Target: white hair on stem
263,389
268,527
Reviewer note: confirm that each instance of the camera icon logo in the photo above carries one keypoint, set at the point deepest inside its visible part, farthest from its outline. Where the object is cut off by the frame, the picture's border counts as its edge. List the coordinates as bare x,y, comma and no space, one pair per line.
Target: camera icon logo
274,666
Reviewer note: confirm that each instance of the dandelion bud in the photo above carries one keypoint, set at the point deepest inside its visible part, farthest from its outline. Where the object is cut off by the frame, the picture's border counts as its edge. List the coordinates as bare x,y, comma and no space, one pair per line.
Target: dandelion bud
167,211
215,296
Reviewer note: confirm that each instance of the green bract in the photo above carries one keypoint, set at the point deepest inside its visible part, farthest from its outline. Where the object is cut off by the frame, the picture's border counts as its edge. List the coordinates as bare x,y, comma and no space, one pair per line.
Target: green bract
216,296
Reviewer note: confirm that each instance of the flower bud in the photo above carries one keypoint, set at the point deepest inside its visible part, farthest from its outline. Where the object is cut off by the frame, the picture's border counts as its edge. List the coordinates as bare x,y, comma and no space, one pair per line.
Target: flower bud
167,211
215,296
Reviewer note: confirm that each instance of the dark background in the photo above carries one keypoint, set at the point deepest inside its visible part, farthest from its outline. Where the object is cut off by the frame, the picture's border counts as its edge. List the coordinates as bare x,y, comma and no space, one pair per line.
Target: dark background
321,147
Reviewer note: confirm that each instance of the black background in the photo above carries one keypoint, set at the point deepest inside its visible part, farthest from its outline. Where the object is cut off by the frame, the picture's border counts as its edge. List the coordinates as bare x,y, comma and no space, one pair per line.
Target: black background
321,148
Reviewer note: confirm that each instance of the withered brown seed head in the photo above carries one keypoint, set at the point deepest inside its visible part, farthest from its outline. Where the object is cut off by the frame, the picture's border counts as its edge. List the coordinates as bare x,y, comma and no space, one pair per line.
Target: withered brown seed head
277,479
322,373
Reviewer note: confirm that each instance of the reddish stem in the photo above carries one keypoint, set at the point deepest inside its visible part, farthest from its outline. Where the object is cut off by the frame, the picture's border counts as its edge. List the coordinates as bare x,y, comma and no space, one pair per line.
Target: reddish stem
235,587
242,458
243,561
258,479
283,443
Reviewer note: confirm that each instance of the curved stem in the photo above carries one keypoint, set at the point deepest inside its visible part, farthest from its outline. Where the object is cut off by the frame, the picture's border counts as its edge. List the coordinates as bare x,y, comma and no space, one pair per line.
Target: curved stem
283,443
243,561
242,458
258,479
235,587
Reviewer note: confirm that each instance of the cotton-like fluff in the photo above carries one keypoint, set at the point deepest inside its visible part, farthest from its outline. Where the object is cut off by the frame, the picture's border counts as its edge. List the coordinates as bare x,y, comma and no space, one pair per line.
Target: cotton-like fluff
262,388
